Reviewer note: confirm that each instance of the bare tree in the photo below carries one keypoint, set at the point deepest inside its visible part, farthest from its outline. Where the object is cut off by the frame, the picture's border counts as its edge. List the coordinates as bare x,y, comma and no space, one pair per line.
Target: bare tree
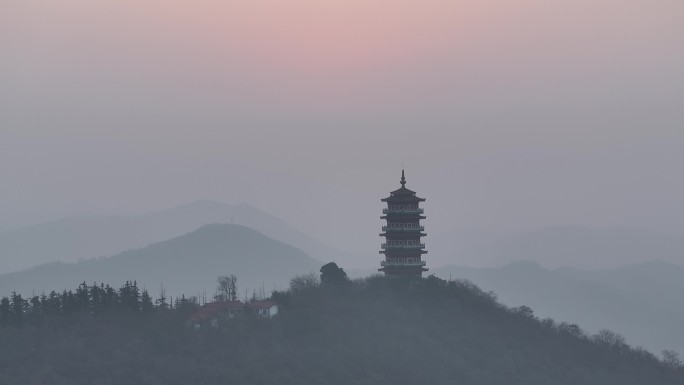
609,338
304,281
671,359
226,288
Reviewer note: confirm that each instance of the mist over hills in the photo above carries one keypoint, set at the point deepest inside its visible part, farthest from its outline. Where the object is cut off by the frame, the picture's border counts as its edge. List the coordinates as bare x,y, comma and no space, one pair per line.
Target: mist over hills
186,264
72,239
557,246
659,283
642,302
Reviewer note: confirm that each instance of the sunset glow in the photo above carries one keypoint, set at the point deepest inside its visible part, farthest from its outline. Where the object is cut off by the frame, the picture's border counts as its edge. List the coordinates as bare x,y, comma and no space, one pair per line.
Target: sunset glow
298,192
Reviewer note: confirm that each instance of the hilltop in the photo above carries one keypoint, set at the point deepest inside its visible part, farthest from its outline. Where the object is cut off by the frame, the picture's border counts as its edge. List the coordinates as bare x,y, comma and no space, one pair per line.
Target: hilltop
370,331
641,301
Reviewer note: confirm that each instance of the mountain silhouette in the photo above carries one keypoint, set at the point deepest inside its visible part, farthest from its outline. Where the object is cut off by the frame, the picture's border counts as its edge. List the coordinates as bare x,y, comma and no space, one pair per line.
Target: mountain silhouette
186,264
72,239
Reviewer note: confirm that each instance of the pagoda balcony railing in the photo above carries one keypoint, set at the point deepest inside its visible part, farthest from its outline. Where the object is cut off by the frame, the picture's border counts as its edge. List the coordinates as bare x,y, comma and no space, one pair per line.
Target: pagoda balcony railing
396,228
403,211
403,263
404,247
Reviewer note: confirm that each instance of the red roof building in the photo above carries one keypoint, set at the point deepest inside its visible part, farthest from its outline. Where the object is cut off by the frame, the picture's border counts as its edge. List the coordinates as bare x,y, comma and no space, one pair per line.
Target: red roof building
266,309
211,313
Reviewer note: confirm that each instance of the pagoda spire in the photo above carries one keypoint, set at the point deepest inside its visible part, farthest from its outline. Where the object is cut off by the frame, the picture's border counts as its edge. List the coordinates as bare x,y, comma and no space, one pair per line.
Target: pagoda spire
403,178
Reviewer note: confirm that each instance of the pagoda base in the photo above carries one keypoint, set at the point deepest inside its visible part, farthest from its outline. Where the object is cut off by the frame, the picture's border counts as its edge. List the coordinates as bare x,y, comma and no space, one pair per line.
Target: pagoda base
403,271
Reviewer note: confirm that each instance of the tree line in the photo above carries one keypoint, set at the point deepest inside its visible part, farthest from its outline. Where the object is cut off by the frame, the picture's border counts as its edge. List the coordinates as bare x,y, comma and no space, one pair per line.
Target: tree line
92,299
329,329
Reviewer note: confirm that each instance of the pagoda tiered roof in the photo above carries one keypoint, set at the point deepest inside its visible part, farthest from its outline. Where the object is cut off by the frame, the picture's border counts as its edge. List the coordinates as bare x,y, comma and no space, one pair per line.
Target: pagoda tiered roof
403,249
403,194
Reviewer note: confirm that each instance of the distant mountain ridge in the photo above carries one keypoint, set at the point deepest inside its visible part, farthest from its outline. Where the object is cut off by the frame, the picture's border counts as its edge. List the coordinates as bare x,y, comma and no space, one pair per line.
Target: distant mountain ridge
561,246
656,282
186,264
71,239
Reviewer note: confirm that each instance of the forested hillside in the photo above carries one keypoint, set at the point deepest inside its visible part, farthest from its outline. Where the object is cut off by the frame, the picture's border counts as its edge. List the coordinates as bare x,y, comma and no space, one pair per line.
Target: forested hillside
624,299
332,331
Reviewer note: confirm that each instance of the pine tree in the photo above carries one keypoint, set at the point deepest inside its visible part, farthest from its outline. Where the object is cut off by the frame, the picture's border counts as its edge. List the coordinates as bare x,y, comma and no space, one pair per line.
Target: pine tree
146,304
36,305
5,310
161,301
18,306
129,296
82,297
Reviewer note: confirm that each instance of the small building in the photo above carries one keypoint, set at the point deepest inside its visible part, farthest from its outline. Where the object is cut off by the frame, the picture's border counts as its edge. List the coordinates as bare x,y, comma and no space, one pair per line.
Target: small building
266,309
211,313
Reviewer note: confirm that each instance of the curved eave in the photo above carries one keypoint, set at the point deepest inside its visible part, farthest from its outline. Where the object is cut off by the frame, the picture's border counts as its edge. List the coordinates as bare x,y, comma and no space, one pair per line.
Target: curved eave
404,198
403,233
403,216
402,252
402,270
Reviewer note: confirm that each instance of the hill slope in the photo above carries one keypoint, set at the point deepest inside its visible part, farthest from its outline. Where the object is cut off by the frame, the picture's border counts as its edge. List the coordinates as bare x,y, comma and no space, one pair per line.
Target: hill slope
71,239
373,331
186,264
636,308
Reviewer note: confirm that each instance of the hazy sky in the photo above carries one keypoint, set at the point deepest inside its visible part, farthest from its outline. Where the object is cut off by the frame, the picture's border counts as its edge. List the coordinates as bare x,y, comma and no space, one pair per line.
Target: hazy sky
509,115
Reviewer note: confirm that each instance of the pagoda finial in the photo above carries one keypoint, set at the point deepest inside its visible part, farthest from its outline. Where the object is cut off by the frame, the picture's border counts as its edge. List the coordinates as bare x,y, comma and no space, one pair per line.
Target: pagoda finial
403,178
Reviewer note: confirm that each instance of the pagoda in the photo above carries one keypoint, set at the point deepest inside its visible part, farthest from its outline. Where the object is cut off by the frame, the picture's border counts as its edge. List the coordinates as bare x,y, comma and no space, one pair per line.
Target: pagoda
403,249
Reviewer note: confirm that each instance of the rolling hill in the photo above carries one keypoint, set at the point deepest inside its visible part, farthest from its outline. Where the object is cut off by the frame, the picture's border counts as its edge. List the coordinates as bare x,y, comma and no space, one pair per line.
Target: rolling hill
186,264
72,239
636,301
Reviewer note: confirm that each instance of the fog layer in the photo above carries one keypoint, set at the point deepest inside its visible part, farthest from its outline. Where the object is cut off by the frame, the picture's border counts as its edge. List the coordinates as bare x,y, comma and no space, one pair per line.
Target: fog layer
508,116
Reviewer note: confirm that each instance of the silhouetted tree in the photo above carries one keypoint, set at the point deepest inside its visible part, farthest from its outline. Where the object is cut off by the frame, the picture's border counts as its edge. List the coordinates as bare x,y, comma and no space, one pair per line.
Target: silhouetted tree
226,289
5,310
609,338
671,359
571,330
146,305
82,298
109,297
129,296
161,301
304,282
52,303
524,311
18,306
96,294
333,275
36,305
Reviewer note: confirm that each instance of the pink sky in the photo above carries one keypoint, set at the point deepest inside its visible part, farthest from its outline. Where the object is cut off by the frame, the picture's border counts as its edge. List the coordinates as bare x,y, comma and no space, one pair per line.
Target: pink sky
509,114
302,50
